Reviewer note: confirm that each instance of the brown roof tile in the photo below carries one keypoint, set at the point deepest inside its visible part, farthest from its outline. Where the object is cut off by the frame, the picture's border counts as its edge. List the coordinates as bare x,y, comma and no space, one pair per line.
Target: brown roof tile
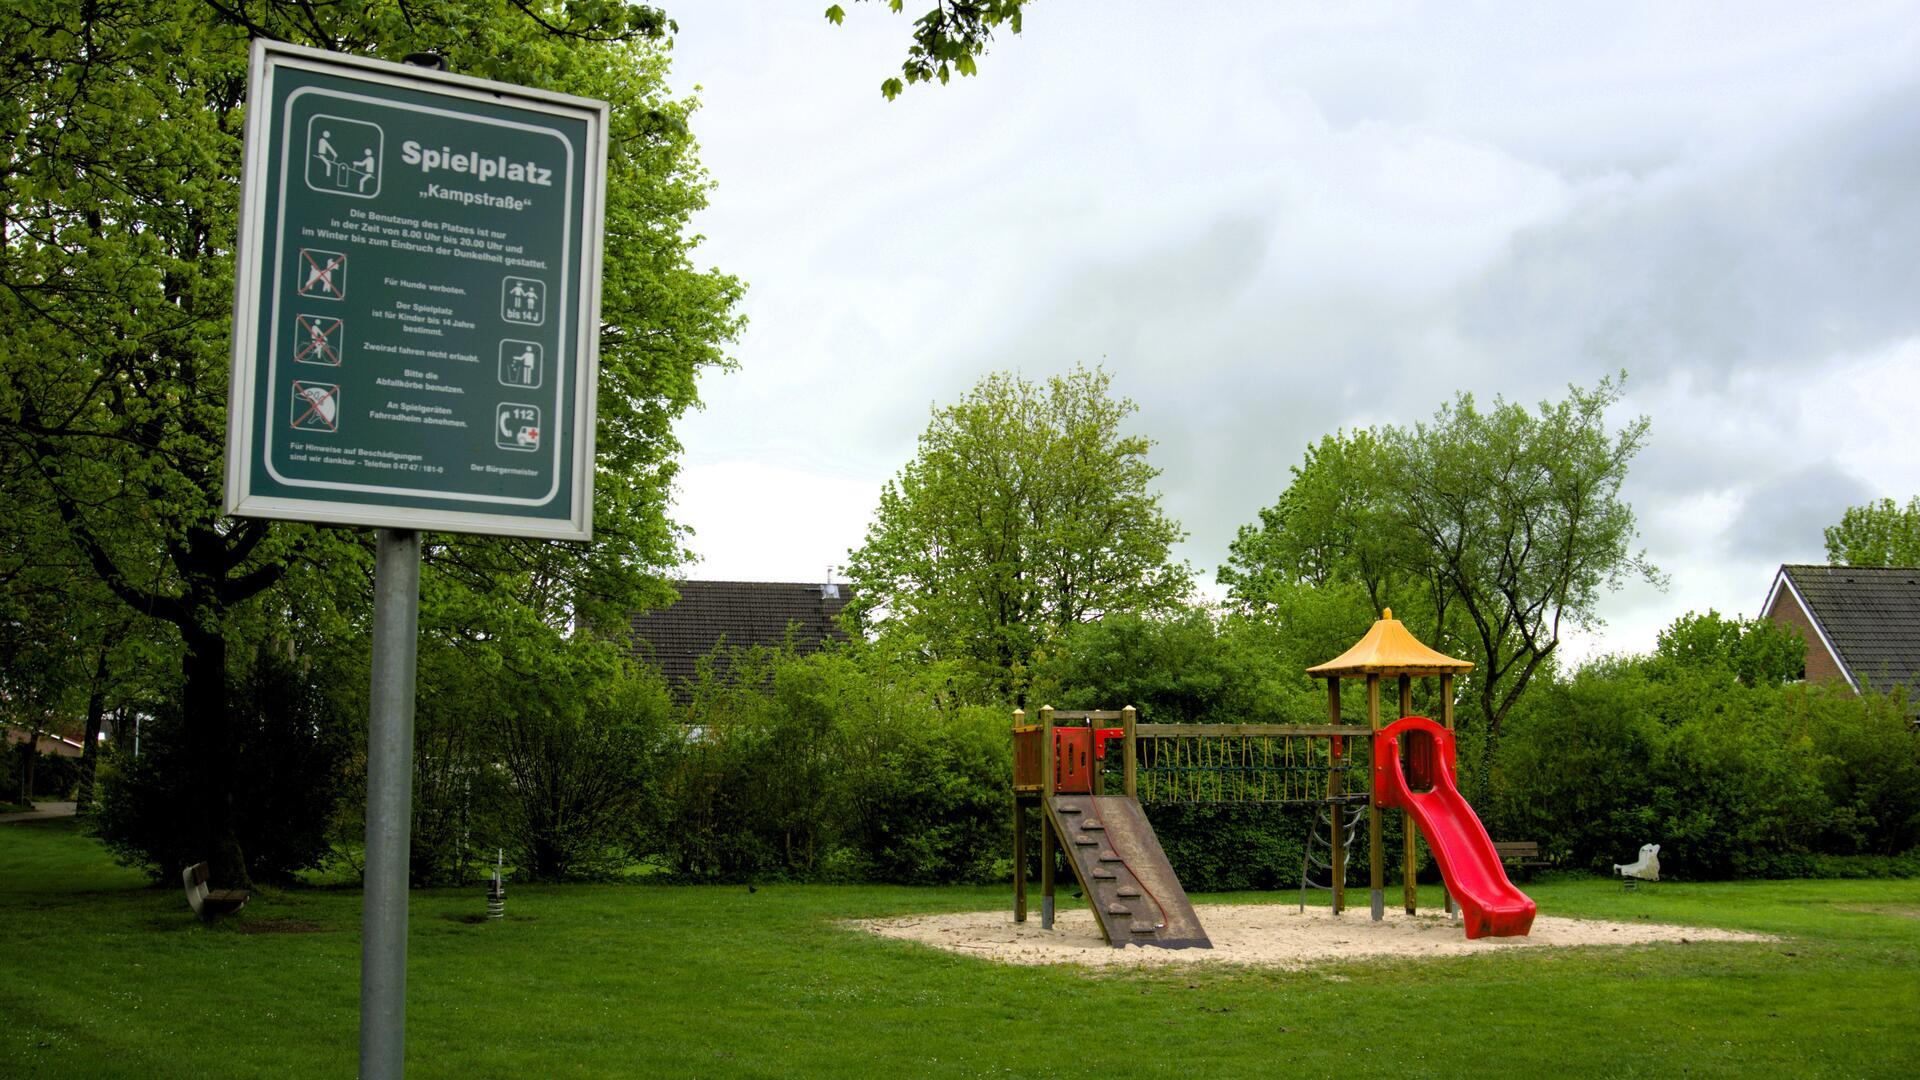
743,613
1871,614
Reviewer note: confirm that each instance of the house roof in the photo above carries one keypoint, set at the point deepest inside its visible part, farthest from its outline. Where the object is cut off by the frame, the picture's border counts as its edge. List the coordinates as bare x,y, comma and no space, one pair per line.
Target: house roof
743,613
1869,616
1390,649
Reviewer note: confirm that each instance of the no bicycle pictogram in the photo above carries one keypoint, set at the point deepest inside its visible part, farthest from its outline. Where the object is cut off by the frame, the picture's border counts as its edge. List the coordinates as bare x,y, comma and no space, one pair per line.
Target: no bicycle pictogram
316,406
322,274
317,339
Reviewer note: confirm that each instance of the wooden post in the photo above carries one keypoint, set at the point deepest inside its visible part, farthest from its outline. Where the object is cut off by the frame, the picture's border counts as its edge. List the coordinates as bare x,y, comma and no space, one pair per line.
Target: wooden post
1129,768
1446,721
1047,838
1377,868
1336,811
1411,856
1019,839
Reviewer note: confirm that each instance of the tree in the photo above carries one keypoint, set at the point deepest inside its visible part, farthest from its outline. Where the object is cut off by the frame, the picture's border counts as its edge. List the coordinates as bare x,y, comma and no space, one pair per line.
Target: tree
1757,652
947,39
1519,521
1490,532
1878,534
1025,511
122,144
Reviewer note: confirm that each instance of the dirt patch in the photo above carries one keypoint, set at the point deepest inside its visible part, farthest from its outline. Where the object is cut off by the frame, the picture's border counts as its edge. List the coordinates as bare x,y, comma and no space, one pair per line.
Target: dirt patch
279,926
1263,935
1898,910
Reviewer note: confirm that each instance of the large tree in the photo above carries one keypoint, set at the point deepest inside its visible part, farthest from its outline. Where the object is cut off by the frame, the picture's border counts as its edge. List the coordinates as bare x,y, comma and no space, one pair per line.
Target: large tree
122,129
1026,510
1880,533
1496,530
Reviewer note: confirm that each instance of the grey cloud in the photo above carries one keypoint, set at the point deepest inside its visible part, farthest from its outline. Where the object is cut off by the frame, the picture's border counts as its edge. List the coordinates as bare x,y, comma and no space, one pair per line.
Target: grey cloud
1810,249
1783,519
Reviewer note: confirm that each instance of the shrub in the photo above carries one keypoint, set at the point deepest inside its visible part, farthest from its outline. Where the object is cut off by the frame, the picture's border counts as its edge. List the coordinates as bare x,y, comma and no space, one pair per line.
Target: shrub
1731,777
839,765
55,776
291,755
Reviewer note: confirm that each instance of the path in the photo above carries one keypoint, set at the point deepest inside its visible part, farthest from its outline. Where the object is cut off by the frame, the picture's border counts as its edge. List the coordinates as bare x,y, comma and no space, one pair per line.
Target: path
40,812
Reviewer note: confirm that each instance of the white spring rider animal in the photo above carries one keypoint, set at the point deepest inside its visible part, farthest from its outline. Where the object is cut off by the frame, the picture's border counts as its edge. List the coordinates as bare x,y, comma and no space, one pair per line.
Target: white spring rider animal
1646,867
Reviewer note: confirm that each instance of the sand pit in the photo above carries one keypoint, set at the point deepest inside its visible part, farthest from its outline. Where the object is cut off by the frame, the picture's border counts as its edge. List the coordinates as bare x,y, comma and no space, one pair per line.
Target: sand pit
1263,935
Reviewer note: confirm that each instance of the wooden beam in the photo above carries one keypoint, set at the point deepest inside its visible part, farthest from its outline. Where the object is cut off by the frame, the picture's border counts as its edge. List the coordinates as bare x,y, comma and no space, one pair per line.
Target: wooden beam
1205,731
1377,869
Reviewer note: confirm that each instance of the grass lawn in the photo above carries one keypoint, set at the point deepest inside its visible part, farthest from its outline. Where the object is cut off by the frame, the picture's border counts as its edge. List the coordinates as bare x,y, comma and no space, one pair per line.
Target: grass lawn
103,976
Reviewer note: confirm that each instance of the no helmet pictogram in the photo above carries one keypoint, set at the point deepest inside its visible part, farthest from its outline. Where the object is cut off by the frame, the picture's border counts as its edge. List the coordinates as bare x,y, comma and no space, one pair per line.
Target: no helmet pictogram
316,406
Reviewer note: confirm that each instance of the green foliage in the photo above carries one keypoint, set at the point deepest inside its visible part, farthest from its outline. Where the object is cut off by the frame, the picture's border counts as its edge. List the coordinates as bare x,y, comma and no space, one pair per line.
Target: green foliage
1730,779
120,149
1489,533
946,40
1025,512
1187,667
1756,651
835,766
291,756
1880,533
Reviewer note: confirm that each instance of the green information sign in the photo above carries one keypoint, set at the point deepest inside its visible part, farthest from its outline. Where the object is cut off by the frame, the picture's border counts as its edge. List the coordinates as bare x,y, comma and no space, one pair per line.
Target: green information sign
417,300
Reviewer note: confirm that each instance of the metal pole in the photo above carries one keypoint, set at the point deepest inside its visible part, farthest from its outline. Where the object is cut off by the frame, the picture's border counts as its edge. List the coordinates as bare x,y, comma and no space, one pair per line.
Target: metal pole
383,947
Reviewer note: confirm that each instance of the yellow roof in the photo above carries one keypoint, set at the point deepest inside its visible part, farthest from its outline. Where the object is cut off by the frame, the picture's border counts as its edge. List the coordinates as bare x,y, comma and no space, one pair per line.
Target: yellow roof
1388,649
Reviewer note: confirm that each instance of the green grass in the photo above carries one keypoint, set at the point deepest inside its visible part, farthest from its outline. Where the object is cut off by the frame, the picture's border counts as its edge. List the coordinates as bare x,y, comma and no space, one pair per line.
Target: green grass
103,976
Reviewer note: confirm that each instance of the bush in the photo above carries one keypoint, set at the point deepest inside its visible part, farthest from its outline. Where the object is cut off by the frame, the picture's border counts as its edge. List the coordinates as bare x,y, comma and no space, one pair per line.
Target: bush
55,776
291,754
1731,778
835,766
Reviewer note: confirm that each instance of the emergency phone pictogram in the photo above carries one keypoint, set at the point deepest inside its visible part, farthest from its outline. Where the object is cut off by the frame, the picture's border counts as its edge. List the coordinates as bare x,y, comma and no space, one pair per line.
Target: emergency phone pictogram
516,426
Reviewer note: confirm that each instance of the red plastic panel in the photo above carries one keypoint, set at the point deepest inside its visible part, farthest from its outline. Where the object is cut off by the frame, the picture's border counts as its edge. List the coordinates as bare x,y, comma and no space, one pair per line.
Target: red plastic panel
1073,760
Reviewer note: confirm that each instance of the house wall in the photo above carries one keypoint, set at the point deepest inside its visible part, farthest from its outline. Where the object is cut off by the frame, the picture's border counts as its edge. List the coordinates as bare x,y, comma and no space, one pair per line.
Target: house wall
1821,666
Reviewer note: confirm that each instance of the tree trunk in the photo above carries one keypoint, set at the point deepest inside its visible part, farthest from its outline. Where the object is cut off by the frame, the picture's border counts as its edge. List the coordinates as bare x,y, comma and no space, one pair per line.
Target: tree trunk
90,750
26,766
210,749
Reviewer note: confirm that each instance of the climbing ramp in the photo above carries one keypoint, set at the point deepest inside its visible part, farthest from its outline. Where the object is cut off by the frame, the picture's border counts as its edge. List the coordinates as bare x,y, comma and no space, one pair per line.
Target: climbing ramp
1124,873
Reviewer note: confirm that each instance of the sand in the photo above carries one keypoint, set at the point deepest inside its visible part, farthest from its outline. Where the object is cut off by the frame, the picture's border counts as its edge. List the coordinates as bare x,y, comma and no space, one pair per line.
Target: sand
1265,935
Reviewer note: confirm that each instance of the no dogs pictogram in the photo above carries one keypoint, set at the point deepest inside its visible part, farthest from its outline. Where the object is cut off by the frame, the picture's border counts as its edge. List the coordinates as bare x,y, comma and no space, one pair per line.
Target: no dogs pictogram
317,339
322,274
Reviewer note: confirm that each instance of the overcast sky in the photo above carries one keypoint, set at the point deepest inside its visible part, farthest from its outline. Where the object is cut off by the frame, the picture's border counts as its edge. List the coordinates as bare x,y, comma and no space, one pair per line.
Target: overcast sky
1273,220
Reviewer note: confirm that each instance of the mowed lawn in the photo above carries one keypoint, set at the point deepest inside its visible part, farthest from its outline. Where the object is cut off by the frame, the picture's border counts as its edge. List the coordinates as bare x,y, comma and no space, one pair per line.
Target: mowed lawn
101,975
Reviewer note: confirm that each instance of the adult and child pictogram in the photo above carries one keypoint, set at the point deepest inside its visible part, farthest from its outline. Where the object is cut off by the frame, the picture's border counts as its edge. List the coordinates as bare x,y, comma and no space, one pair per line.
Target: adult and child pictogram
523,301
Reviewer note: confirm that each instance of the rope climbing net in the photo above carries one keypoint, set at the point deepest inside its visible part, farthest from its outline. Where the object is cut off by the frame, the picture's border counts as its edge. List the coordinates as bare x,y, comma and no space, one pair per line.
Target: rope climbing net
1211,768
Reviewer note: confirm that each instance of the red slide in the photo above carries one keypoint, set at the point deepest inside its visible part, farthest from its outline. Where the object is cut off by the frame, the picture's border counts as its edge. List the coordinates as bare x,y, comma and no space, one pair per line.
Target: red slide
1423,785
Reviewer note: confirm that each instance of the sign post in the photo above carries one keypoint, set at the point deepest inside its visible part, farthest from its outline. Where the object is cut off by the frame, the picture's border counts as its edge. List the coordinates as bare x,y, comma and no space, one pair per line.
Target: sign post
416,317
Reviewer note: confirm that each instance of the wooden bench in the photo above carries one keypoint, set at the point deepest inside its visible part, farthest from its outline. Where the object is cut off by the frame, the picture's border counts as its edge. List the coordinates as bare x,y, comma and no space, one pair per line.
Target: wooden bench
207,903
1522,853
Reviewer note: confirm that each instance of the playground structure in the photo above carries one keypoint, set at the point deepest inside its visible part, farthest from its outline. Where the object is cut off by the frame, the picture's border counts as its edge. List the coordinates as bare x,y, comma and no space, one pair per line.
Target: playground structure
1060,767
